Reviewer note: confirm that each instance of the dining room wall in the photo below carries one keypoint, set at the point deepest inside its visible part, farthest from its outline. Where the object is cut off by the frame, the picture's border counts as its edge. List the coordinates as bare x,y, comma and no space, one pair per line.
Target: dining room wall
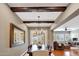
7,17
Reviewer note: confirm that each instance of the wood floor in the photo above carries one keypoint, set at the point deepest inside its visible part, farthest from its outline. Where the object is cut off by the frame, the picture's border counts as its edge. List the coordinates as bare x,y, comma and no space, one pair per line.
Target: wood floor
65,53
74,52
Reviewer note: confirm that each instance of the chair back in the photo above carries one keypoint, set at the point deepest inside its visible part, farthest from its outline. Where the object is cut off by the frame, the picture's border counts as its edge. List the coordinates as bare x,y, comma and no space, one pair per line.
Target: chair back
41,53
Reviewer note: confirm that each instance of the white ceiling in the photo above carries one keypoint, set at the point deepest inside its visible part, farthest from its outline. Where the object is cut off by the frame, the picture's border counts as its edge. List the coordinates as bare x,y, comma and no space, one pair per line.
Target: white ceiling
37,4
73,24
33,16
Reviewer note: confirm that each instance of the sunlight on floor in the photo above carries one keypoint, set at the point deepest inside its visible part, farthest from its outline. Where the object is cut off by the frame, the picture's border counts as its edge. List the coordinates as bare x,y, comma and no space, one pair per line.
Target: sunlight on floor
67,53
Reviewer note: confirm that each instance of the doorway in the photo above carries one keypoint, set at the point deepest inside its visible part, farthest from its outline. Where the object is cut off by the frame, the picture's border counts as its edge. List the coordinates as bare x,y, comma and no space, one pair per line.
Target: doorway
38,35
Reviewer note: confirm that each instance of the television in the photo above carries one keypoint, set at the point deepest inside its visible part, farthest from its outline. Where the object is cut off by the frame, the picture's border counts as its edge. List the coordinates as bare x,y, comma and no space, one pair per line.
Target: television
75,39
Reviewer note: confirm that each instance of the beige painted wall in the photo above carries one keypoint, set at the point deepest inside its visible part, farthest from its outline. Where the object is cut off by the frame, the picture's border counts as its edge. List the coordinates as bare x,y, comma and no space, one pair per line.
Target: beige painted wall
7,17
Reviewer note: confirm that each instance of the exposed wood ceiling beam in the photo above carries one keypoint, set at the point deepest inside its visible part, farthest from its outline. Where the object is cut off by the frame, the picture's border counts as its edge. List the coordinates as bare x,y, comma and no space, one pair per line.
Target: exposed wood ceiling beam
38,9
38,21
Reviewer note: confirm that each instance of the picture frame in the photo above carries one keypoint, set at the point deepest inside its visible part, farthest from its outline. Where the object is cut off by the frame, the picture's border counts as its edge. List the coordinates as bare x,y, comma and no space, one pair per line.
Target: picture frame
17,36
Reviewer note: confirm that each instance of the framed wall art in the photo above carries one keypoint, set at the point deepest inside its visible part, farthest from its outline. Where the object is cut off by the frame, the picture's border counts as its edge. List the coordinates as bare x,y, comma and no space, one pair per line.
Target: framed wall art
17,36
